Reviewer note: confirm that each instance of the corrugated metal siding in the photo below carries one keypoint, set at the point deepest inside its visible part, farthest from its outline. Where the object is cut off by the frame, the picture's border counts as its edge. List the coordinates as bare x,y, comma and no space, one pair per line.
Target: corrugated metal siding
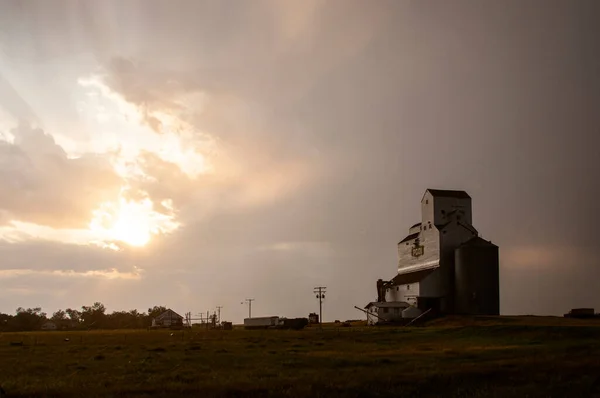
477,280
455,235
429,239
444,208
430,286
407,293
435,211
427,208
438,249
389,314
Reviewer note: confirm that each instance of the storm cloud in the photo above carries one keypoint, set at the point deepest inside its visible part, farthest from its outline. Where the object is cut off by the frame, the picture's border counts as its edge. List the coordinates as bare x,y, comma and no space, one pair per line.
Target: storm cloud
321,125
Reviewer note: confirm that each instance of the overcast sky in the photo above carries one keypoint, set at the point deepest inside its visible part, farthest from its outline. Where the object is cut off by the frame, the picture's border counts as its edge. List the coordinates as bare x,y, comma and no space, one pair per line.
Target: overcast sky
197,153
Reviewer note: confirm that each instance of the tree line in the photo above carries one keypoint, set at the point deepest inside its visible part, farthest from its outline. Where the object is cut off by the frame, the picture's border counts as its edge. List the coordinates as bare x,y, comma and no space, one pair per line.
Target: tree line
88,317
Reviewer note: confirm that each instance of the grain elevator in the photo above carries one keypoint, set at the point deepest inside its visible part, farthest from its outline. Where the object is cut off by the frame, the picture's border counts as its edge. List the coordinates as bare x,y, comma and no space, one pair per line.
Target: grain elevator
443,264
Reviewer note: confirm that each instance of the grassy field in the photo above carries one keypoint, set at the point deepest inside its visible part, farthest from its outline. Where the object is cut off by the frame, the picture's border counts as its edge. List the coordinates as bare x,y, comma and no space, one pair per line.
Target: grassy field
457,357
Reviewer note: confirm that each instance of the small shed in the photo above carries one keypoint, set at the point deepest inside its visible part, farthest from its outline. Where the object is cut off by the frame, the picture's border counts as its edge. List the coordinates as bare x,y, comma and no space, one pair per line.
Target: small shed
390,311
49,326
169,318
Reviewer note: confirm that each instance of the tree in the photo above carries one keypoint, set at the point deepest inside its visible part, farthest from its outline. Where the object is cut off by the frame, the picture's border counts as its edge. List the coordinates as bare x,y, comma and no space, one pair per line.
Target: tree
28,319
60,319
138,319
94,316
156,311
5,322
59,316
74,315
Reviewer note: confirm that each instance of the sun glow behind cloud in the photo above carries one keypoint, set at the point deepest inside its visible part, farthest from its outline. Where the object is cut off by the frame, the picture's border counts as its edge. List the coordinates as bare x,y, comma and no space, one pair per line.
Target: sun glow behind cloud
113,225
157,152
125,133
119,131
121,127
131,222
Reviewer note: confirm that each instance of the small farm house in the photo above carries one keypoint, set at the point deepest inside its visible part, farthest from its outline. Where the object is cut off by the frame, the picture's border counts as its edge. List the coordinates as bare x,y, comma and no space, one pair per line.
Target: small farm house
167,319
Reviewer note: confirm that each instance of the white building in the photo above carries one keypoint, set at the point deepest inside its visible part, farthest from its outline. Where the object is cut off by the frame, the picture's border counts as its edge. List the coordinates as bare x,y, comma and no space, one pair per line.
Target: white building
441,252
385,311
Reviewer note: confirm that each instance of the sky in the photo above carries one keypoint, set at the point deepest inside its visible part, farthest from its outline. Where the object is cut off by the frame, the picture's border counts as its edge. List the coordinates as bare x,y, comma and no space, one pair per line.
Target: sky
194,154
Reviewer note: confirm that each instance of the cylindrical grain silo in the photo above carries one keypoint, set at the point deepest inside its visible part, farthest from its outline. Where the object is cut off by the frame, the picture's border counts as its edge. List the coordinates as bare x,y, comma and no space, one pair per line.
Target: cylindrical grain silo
477,278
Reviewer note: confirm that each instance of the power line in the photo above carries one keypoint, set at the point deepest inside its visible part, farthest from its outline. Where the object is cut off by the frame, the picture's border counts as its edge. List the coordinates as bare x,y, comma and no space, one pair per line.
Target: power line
219,311
320,292
249,302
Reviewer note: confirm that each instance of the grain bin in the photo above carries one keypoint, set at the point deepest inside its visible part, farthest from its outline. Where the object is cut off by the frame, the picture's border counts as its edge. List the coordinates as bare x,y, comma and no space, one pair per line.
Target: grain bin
476,278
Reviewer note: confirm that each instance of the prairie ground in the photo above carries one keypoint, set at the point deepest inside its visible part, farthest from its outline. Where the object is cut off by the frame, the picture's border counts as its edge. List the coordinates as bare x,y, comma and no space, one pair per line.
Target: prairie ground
452,357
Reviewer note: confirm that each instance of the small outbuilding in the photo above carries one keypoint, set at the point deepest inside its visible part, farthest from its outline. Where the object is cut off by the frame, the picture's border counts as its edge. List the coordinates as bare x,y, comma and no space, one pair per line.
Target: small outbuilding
381,312
49,326
167,319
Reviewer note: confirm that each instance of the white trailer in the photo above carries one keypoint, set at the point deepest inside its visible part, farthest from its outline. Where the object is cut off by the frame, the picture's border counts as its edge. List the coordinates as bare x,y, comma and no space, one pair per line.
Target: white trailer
264,322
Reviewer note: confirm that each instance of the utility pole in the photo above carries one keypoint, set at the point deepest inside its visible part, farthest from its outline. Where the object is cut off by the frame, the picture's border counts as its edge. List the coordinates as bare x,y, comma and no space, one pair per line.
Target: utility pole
219,311
249,302
320,291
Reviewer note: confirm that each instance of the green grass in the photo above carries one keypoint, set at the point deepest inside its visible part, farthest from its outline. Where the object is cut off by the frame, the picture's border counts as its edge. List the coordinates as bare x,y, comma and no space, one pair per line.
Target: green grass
501,357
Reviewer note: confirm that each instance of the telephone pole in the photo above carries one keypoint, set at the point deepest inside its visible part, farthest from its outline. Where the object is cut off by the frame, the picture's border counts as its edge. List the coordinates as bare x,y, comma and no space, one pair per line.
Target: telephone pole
219,311
320,291
249,302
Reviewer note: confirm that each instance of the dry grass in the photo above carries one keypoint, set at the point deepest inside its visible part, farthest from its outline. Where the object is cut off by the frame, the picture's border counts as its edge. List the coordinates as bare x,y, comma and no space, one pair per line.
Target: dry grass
456,357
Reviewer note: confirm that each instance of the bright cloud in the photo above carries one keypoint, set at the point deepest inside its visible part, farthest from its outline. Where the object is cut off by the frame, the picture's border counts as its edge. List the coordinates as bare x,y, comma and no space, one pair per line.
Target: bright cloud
143,154
112,273
72,200
130,129
144,138
42,185
113,224
7,122
122,135
132,222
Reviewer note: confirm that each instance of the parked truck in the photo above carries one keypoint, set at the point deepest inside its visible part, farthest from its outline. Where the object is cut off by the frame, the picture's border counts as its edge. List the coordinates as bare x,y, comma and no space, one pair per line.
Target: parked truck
275,322
293,323
265,322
